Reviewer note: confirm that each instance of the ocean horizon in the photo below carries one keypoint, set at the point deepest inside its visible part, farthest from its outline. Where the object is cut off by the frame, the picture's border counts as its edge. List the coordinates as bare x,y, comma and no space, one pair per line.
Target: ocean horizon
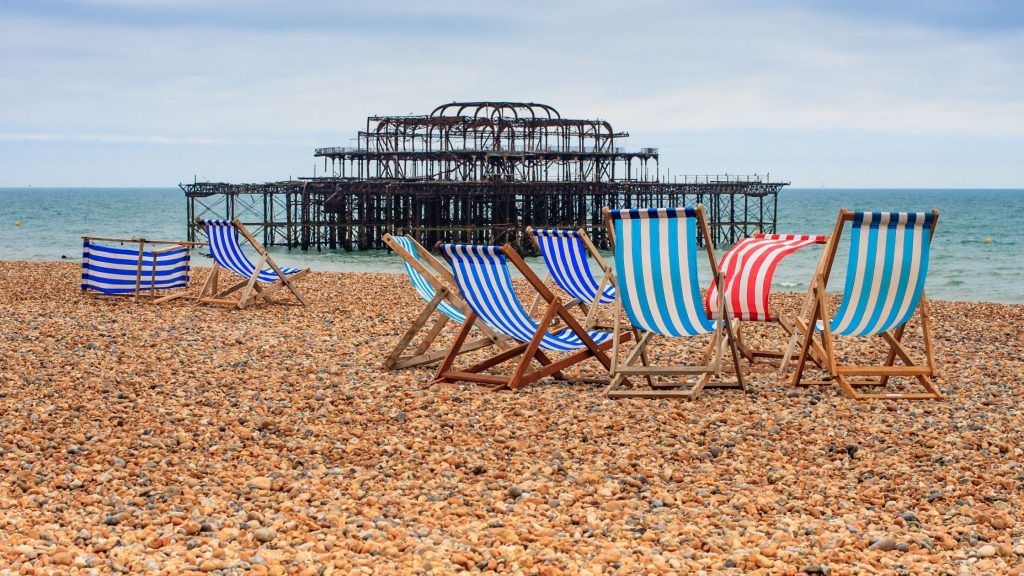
976,252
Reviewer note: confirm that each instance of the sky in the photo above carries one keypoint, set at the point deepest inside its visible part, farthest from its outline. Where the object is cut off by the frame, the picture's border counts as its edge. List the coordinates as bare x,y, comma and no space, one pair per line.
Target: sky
872,94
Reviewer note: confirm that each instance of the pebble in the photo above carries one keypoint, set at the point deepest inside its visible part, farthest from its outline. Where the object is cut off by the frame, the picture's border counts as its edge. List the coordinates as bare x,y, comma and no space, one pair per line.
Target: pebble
188,451
260,483
885,544
62,558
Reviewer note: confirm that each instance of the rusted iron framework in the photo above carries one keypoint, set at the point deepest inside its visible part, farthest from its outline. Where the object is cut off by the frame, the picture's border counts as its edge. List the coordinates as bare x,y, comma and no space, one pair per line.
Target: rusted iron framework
477,172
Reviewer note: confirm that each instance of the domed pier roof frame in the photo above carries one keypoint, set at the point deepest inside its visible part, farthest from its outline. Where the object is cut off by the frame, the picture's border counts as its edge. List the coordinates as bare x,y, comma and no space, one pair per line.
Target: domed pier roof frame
486,141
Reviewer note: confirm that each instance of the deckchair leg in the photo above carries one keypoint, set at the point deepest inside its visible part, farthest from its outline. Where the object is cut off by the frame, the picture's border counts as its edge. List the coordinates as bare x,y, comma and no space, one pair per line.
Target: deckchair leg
744,350
808,336
640,350
893,340
592,315
431,335
536,298
211,282
243,300
644,360
533,346
732,337
417,325
453,351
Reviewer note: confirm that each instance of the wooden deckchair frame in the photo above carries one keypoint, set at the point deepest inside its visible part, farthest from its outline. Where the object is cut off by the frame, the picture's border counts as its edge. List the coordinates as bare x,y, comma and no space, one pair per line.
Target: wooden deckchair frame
826,348
141,292
589,309
253,291
422,354
526,352
711,361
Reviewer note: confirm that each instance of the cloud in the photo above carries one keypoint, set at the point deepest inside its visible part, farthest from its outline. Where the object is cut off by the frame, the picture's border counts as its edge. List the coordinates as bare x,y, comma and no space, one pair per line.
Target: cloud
130,139
263,73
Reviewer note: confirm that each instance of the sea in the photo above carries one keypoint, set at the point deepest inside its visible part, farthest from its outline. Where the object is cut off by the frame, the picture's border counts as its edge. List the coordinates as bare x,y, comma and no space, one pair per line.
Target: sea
977,253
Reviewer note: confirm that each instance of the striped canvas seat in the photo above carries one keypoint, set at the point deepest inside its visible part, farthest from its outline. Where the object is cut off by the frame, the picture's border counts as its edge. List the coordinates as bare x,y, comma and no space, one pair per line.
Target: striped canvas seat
885,276
482,275
118,270
423,287
748,268
257,284
886,271
659,292
567,261
227,252
656,268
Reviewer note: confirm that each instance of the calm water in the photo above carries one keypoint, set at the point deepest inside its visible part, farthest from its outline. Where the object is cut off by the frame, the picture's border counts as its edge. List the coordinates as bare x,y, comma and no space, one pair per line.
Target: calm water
964,266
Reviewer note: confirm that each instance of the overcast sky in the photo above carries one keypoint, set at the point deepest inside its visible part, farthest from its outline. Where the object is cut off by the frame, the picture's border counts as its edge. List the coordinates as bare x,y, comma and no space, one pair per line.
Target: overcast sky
819,93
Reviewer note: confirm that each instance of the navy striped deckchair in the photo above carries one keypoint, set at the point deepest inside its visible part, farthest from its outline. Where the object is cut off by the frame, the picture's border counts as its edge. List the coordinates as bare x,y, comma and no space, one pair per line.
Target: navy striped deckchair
658,289
567,256
482,276
431,281
131,269
885,276
258,284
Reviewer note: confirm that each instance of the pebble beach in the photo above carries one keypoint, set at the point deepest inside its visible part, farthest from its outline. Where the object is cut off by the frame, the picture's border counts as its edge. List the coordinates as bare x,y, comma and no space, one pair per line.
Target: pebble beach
176,438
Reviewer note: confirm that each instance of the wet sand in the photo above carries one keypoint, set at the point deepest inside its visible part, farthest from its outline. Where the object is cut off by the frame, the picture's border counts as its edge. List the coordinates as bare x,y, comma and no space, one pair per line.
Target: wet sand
141,438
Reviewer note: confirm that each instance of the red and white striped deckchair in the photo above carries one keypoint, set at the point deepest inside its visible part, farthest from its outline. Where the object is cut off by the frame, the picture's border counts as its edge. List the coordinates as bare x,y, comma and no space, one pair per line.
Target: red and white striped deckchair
747,269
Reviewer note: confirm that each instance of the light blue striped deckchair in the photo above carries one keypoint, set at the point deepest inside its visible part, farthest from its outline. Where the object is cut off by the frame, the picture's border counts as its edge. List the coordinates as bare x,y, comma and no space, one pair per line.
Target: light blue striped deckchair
885,277
122,270
482,276
426,274
567,256
258,283
658,289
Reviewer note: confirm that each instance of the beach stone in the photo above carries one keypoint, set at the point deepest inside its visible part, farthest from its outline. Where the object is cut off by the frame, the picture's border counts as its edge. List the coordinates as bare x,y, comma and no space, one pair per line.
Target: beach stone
885,544
260,483
987,551
817,570
26,551
62,558
177,422
265,534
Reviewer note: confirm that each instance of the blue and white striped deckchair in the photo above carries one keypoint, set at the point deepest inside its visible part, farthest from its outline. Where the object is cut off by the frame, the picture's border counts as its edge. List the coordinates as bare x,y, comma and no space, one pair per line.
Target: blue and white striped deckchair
658,289
426,274
885,275
124,270
567,256
258,283
482,276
